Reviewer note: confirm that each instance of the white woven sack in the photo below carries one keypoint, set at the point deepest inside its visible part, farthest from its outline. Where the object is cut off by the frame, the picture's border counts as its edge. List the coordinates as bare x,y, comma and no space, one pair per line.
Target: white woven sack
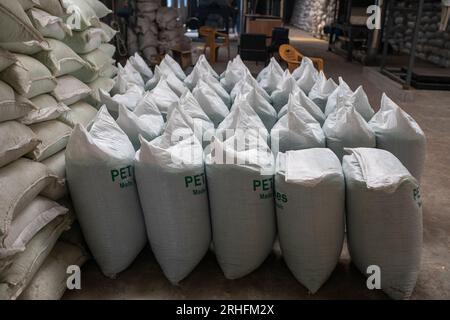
272,78
287,86
321,91
306,75
273,66
172,186
397,132
296,130
262,108
346,128
384,219
163,96
100,163
146,121
240,185
210,102
141,66
169,63
310,225
301,99
129,99
358,99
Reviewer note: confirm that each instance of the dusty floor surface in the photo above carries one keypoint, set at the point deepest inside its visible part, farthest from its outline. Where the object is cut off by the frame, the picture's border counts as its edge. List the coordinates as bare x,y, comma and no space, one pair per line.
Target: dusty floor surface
273,280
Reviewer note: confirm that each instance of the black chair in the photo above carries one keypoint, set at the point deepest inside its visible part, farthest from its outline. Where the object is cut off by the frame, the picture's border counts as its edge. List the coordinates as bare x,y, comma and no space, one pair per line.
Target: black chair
280,36
253,47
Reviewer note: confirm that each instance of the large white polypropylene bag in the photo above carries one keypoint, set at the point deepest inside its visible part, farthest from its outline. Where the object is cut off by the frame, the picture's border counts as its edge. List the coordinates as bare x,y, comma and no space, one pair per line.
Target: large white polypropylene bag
172,187
203,62
129,99
301,99
163,96
346,128
302,68
321,91
241,203
295,131
287,86
242,119
273,66
384,218
235,72
342,91
145,120
201,68
273,78
247,84
310,224
306,75
397,132
210,102
358,99
169,63
131,74
100,175
200,124
141,66
262,108
195,75
153,82
177,86
217,87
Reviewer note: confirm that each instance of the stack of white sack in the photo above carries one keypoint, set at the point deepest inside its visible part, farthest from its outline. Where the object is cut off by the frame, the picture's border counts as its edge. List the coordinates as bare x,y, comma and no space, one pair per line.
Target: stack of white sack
143,38
171,31
32,55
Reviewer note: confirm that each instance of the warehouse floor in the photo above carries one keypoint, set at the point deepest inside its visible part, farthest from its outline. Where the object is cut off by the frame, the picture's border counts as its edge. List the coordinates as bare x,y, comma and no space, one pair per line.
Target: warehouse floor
431,109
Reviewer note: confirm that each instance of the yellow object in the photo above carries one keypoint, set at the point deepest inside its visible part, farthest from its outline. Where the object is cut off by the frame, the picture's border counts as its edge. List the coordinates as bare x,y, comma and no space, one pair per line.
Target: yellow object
211,35
293,58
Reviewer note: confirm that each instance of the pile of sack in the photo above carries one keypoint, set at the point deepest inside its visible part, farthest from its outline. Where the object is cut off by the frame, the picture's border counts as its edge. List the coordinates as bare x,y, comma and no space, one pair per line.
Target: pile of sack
55,58
155,30
171,30
182,160
144,36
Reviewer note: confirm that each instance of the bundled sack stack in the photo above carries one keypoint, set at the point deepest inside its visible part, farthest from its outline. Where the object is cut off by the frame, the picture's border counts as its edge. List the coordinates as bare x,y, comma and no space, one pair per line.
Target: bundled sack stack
144,37
48,47
155,30
171,31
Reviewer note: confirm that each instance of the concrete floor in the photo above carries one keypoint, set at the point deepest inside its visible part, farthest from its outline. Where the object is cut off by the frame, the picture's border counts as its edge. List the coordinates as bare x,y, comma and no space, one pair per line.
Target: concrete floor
273,280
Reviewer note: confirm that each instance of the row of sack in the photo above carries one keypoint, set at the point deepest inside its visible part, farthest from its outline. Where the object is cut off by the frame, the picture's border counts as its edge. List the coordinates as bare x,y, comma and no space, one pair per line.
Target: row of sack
239,197
44,61
322,115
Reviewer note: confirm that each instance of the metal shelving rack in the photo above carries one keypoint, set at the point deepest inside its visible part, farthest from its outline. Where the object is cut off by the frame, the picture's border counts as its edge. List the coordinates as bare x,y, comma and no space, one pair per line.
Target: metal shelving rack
393,73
